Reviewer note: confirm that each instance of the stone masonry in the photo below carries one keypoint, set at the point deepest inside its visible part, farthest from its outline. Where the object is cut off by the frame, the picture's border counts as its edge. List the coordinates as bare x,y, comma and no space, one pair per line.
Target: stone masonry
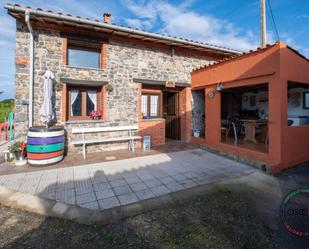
125,61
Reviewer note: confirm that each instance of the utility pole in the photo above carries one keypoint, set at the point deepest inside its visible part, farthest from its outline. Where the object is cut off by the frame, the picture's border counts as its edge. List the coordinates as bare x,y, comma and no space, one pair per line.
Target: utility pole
262,24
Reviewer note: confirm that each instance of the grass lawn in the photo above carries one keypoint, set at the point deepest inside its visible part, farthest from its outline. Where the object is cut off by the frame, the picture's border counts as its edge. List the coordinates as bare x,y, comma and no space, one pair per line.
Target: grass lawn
6,107
221,220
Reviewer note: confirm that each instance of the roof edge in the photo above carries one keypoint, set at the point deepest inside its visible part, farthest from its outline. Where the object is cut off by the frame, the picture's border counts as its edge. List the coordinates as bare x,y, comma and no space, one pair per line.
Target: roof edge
240,56
60,16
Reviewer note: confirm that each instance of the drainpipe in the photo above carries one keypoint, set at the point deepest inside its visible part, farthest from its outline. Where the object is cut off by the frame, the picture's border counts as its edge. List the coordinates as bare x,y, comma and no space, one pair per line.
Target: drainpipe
31,76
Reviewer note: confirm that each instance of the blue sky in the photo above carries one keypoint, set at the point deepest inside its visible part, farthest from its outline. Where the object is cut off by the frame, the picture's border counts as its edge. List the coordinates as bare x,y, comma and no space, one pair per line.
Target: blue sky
230,23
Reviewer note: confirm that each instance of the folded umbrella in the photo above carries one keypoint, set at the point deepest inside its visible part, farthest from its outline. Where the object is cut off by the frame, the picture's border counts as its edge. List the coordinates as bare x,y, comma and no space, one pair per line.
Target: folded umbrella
47,113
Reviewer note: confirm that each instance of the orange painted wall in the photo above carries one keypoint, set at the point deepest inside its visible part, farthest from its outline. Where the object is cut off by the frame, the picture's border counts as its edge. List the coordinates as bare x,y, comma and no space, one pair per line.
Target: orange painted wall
272,65
156,128
295,138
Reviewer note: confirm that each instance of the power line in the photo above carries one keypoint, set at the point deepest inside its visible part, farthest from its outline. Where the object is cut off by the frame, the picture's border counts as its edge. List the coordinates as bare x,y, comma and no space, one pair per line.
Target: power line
273,23
238,7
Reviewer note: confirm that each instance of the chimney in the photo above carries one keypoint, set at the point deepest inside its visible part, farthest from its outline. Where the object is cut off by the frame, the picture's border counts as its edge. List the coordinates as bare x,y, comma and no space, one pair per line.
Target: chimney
106,17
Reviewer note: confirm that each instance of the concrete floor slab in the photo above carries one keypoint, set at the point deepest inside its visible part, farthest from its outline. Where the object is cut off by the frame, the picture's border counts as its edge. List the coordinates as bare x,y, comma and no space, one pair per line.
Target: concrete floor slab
107,185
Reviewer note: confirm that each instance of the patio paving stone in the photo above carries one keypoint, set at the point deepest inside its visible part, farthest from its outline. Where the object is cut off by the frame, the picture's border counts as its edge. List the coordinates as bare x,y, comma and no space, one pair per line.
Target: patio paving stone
132,180
101,186
153,183
110,184
127,198
174,186
90,205
122,190
167,180
179,177
144,194
85,198
188,183
108,203
103,194
138,186
114,177
160,190
117,183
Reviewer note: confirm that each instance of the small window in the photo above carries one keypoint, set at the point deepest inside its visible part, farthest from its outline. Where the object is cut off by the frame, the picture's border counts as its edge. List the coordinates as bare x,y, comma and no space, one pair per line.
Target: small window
82,101
150,105
306,100
83,57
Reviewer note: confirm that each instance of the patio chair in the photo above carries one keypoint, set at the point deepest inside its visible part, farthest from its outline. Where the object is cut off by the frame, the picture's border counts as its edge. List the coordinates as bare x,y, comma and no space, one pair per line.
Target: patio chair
236,126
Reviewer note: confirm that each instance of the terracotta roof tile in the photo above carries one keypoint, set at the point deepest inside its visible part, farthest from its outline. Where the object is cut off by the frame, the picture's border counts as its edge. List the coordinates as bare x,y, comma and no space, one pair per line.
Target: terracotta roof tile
96,20
236,56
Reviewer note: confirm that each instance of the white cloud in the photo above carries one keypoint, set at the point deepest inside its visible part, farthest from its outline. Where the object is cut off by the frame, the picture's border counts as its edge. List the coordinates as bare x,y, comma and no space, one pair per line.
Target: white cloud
138,23
289,40
303,16
179,21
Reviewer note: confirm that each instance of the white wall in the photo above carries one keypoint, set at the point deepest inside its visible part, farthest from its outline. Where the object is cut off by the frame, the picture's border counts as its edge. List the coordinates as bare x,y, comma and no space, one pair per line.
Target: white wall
298,111
261,102
293,112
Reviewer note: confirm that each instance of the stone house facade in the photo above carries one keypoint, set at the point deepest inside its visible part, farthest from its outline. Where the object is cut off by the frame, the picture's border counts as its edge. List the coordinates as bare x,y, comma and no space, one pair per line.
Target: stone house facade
129,66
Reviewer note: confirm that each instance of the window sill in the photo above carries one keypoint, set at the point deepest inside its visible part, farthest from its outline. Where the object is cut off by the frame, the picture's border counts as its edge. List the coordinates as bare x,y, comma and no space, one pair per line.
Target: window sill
152,119
84,121
85,68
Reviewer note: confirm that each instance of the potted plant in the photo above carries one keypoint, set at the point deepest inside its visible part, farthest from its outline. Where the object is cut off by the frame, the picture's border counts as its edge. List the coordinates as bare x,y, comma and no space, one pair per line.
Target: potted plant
95,115
17,149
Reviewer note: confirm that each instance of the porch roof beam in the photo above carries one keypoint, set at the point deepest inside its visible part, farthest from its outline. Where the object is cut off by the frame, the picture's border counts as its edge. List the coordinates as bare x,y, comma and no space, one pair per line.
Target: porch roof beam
160,82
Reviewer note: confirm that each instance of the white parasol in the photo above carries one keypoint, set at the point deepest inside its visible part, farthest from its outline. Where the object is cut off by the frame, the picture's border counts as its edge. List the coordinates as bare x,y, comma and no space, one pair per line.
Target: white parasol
46,112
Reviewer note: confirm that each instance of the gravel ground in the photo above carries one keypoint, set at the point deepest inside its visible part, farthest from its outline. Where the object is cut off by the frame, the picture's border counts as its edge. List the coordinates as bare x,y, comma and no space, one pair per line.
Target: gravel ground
220,220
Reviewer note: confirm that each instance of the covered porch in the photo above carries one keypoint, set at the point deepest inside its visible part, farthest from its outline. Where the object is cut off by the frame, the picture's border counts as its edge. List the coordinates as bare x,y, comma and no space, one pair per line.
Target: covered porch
256,106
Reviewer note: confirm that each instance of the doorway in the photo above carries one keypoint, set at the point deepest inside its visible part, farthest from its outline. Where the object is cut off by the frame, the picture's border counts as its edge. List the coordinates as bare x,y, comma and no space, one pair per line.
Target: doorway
171,115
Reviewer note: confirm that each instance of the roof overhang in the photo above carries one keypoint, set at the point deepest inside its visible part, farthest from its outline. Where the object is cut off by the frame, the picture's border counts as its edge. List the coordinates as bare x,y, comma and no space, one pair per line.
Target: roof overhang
160,83
83,82
61,19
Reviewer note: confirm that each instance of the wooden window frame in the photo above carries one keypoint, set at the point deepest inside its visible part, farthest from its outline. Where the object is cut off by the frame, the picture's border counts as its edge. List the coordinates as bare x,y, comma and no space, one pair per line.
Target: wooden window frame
159,107
84,90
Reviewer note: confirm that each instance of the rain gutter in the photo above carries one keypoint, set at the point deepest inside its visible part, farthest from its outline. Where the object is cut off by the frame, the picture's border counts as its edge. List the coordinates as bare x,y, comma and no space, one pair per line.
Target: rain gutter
119,28
31,68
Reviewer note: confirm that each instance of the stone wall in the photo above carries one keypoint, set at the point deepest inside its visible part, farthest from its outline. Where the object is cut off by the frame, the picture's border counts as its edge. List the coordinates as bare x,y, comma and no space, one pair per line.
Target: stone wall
198,111
125,62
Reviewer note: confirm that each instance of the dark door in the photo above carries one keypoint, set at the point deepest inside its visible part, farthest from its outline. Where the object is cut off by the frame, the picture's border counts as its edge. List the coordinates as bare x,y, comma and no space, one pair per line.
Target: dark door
171,114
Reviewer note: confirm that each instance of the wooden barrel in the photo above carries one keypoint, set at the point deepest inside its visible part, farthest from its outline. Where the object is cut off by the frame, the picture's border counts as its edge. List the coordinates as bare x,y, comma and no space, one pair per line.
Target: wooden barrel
45,146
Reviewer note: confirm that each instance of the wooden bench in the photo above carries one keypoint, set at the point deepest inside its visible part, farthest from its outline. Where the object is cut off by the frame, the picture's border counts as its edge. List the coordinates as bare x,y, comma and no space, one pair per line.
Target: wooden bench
131,138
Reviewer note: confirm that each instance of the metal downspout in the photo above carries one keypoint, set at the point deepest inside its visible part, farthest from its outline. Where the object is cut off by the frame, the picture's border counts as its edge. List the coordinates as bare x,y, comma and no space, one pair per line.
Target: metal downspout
31,68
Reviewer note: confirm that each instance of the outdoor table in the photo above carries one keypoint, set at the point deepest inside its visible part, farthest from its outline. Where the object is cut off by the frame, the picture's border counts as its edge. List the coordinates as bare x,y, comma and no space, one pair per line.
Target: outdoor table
250,125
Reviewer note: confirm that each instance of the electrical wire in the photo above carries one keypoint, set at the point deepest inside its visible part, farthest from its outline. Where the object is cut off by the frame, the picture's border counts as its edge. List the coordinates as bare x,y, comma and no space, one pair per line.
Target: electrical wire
274,26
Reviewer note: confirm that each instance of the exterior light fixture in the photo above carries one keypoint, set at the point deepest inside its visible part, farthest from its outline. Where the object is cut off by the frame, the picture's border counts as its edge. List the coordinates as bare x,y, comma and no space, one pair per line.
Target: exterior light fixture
219,87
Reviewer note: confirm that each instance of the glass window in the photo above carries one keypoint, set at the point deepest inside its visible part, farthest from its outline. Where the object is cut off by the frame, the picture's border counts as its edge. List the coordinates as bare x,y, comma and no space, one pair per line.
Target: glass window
91,104
150,105
82,102
154,105
144,105
83,57
76,103
306,100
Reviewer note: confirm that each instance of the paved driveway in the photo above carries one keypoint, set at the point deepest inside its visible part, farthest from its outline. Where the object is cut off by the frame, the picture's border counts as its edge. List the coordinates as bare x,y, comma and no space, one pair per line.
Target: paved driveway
111,184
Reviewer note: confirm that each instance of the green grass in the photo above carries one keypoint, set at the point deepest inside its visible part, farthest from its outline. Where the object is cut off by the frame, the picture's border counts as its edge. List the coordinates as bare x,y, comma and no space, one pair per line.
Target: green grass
6,107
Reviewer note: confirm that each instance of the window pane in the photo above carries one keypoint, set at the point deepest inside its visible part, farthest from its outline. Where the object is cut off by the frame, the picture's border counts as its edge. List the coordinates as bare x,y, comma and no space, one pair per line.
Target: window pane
83,58
91,102
306,100
144,105
76,103
154,105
